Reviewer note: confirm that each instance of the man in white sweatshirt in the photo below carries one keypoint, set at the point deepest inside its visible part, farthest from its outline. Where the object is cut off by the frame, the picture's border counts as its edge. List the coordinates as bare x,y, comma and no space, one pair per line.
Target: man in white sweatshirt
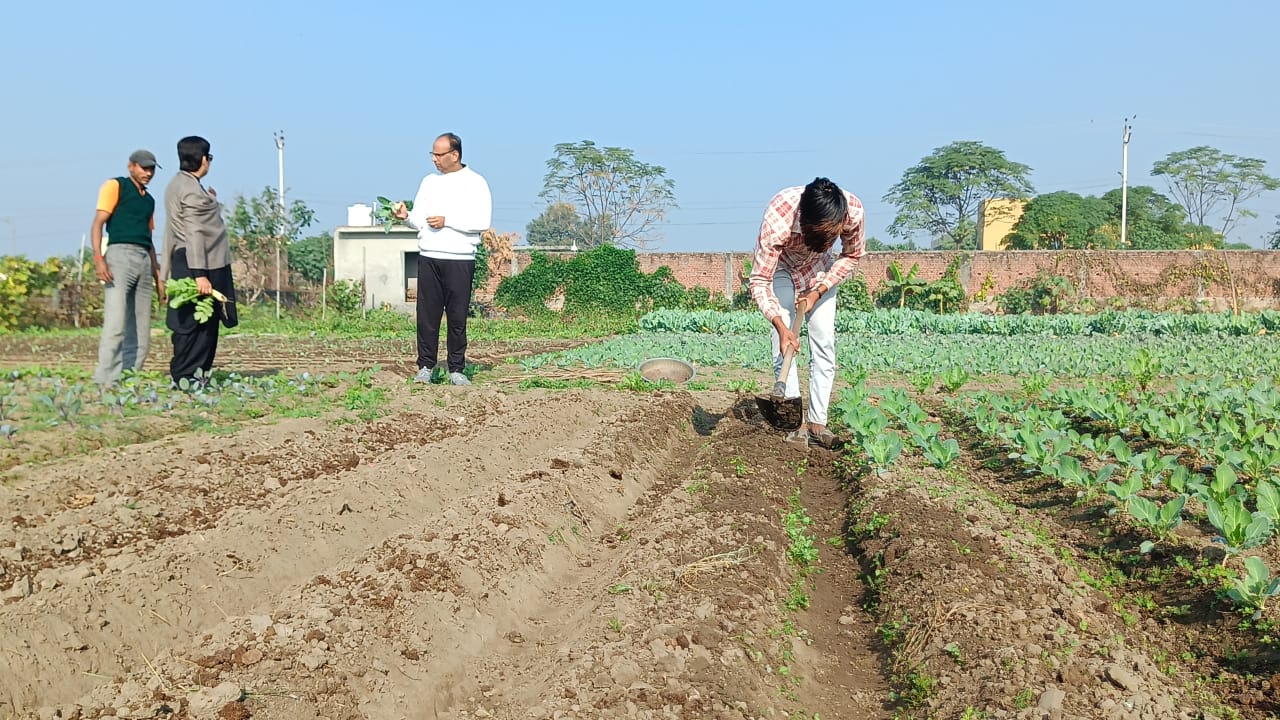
450,211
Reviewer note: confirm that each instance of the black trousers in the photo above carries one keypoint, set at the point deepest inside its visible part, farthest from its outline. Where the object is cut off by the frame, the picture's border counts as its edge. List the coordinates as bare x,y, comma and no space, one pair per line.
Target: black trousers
195,343
444,288
194,350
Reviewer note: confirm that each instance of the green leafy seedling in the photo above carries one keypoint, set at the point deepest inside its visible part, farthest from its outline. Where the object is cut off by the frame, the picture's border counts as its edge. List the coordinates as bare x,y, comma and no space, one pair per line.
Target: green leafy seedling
1240,530
1253,590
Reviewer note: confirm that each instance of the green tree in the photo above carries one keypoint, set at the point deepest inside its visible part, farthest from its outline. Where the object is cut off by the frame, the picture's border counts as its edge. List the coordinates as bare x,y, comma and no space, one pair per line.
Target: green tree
558,226
1061,221
1273,238
1155,221
1213,185
311,256
941,194
620,198
1201,236
875,245
256,228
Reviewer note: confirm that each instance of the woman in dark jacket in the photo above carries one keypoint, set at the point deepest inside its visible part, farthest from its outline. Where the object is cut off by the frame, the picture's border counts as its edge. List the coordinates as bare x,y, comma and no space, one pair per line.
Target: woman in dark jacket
196,246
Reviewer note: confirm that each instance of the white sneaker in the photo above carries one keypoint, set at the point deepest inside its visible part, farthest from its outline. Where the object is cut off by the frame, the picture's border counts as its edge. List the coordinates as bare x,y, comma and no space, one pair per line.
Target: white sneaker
458,379
423,376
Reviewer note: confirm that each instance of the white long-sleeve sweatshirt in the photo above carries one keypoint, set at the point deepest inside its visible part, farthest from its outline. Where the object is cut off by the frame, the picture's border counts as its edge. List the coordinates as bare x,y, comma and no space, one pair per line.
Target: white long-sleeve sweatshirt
462,198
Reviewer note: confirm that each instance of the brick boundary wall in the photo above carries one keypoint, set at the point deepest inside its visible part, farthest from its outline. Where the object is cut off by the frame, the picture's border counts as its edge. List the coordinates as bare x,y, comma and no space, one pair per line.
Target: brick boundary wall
1216,276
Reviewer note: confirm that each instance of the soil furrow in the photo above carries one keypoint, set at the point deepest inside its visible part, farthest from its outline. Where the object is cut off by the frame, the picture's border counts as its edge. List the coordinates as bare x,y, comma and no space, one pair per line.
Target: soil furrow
100,612
626,560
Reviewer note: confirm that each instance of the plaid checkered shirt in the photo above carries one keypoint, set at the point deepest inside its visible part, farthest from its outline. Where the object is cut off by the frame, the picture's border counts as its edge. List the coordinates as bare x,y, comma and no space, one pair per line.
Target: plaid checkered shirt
780,244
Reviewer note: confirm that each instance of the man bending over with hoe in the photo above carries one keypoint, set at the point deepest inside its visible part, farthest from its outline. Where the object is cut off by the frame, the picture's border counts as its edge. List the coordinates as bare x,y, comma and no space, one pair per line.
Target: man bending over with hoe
794,270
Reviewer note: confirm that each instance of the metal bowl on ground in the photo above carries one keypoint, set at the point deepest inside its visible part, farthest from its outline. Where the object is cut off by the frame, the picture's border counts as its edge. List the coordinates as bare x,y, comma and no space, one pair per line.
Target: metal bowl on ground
673,369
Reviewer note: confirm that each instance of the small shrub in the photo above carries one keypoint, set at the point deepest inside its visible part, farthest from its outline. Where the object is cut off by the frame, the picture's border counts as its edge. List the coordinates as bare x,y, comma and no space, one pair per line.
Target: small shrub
26,287
659,290
1045,294
481,274
906,290
943,296
347,296
852,295
700,298
899,289
1015,301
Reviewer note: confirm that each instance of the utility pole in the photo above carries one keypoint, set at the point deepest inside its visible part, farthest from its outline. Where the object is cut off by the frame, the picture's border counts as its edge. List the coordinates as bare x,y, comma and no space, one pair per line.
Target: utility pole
75,313
279,136
1124,186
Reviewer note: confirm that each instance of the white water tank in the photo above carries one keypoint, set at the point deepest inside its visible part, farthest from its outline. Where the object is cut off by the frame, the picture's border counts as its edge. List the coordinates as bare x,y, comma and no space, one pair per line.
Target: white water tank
359,215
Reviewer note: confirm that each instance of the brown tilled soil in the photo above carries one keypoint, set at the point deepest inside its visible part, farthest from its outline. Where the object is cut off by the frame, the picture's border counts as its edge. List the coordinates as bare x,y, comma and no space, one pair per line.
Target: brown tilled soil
998,595
266,353
486,552
480,553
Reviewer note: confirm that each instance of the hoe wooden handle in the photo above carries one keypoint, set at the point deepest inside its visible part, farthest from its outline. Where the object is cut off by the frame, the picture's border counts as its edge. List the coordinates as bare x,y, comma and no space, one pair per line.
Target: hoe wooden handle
790,355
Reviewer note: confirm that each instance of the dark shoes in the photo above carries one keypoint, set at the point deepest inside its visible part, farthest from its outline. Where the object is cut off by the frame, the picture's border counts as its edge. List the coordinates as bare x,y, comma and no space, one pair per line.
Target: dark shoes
825,439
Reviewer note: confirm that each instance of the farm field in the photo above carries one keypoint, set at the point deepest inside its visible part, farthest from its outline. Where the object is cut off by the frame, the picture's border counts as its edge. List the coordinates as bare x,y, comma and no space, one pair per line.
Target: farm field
1023,524
268,354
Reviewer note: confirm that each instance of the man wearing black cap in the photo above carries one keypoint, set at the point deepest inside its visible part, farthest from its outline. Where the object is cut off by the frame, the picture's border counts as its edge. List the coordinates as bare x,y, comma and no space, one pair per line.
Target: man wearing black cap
127,267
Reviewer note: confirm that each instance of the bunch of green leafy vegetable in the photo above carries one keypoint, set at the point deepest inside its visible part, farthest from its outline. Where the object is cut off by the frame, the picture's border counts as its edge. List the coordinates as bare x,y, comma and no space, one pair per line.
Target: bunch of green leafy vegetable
385,212
183,291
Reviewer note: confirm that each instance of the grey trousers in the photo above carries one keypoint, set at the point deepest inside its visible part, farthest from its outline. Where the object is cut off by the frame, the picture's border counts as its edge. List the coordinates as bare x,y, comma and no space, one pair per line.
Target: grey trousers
126,312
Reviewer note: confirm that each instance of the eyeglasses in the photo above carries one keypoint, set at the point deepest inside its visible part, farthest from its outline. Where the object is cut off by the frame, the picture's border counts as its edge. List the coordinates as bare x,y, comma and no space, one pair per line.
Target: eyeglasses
440,155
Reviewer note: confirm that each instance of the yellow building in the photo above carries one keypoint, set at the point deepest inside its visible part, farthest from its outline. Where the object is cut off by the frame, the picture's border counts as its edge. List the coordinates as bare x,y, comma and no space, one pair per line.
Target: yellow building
996,218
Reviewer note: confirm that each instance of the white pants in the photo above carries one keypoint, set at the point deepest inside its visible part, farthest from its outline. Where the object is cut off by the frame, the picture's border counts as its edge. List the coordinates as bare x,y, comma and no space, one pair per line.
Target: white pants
822,346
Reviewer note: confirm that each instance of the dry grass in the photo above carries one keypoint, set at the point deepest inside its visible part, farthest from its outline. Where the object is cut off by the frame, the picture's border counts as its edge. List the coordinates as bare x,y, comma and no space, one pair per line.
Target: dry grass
152,668
687,574
908,654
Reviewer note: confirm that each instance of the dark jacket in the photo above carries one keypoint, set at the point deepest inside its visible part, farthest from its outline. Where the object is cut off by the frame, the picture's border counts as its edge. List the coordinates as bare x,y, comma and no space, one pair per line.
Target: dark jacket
193,222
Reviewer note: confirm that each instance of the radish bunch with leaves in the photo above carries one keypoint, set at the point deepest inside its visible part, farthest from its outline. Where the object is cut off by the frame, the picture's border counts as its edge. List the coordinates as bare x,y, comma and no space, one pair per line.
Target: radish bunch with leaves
385,213
184,290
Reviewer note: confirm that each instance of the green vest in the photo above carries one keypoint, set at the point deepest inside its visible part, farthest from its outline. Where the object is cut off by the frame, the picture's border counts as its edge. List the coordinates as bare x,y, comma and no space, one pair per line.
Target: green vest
130,222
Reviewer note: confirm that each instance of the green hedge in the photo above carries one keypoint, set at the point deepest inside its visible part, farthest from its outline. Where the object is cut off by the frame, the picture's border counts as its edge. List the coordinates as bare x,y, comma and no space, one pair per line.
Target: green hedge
915,322
603,279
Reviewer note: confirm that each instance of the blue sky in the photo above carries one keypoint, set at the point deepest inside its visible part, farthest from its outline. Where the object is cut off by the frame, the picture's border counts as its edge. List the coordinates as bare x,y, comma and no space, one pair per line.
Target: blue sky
734,99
